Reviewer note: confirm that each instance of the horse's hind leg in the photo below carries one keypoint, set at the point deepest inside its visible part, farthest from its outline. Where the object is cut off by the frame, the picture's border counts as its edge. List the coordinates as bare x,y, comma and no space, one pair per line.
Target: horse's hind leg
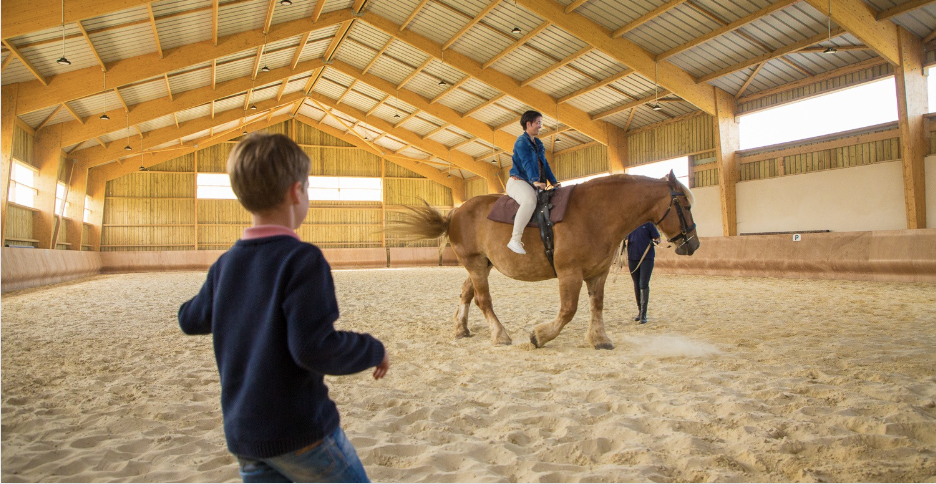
478,270
461,317
596,335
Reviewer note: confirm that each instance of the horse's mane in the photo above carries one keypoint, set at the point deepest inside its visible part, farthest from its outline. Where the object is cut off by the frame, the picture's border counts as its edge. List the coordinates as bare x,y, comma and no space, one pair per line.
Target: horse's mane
622,178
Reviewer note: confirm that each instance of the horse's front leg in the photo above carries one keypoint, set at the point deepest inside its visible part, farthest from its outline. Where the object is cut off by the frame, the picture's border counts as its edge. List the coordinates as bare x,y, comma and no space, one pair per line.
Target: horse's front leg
479,272
461,316
569,288
596,335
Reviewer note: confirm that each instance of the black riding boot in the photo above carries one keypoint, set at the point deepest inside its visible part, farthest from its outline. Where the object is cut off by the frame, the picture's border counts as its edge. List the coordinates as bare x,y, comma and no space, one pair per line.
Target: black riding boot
644,297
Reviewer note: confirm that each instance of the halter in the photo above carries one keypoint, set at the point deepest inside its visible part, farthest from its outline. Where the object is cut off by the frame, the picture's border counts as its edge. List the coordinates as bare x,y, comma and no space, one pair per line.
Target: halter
683,226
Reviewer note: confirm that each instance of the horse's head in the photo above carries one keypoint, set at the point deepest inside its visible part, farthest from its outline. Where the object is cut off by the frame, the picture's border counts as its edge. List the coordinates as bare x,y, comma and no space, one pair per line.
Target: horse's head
676,222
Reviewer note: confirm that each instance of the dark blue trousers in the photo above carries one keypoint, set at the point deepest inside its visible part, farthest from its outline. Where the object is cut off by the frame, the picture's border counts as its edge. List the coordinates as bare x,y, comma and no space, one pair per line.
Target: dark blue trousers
641,276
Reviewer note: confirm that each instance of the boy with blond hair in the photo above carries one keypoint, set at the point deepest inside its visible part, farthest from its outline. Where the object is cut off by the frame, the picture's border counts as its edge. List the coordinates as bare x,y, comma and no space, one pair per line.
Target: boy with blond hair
269,303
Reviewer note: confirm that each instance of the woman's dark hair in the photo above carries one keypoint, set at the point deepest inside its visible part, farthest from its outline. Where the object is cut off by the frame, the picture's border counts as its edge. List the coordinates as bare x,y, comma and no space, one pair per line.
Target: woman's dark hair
529,117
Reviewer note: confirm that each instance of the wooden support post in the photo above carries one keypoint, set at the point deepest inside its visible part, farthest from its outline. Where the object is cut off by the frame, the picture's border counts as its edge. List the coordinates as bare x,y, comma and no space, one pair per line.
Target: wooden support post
97,184
195,197
726,146
8,124
617,149
76,198
59,217
911,106
458,191
48,155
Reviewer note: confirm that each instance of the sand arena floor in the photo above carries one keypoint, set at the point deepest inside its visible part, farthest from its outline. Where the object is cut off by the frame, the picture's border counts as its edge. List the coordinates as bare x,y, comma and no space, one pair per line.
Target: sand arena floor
733,380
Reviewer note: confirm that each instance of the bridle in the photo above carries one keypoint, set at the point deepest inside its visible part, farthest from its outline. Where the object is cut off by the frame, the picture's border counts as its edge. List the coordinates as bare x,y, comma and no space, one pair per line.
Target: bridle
683,226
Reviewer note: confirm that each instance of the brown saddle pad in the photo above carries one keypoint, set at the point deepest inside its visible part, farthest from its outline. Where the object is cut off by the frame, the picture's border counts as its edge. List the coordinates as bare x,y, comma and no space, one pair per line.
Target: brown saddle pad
505,208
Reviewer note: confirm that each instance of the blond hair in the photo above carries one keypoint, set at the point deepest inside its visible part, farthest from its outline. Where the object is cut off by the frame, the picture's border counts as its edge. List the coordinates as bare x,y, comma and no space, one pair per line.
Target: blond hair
262,167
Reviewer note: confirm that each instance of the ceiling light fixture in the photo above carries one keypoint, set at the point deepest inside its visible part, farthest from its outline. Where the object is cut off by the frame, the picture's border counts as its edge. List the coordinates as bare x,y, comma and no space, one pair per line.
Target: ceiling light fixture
656,91
142,168
264,69
285,3
128,148
516,30
253,107
63,61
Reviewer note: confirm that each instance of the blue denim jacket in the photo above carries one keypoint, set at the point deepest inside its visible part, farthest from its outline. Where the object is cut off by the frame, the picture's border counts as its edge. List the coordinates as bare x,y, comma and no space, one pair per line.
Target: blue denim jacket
525,165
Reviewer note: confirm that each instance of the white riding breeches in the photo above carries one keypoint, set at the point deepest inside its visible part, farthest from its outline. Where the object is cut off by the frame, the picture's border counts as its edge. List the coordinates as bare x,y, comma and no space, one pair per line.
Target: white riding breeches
525,195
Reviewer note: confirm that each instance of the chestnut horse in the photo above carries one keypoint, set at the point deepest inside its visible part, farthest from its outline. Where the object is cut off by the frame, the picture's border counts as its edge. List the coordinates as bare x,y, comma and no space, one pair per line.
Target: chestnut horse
601,212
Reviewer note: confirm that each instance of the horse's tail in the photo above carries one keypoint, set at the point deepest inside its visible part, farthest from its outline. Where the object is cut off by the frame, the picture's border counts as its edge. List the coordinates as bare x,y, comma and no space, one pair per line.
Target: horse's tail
420,222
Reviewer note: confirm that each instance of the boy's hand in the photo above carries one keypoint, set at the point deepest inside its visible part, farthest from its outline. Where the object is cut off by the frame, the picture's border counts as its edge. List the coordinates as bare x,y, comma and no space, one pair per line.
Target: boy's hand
381,370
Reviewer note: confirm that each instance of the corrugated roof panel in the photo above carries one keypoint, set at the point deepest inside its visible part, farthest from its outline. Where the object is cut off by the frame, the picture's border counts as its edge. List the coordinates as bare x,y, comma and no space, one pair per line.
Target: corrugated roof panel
296,85
282,111
262,94
167,7
480,89
397,11
329,88
609,14
114,45
64,116
459,100
157,123
437,23
94,105
145,91
920,21
359,101
560,82
279,58
311,112
16,72
35,118
481,43
226,104
508,15
447,137
335,5
315,49
403,52
514,105
227,126
87,144
493,115
522,63
369,91
716,54
427,86
184,29
390,70
129,15
50,34
44,56
241,17
192,113
368,35
286,13
444,71
284,44
787,26
354,54
122,135
475,150
418,126
234,70
338,77
599,100
558,42
190,80
676,27
598,64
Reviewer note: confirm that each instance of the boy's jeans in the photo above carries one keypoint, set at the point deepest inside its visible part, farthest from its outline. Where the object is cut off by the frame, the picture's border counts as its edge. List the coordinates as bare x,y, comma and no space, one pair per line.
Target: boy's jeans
334,460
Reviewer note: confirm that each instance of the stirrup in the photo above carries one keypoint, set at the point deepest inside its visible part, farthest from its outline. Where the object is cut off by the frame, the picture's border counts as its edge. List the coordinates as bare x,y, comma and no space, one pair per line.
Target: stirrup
516,246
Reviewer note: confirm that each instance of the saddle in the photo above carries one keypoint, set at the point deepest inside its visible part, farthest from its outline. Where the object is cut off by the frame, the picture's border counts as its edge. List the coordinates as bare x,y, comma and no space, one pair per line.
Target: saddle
550,210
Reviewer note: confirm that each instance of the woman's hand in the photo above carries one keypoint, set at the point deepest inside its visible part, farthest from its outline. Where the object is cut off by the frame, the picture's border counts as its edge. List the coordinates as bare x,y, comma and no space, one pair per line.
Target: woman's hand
381,370
541,186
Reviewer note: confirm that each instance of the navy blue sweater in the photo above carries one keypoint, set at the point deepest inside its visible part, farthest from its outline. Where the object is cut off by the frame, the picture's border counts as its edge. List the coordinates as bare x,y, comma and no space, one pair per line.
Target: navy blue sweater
270,305
639,239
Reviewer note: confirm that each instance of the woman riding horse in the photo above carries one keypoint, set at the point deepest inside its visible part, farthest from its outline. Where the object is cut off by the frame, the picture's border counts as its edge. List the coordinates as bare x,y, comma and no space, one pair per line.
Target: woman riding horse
530,169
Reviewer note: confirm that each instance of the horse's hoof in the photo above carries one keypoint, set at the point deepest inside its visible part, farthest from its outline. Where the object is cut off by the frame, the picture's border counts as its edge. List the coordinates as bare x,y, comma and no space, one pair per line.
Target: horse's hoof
466,334
533,340
604,346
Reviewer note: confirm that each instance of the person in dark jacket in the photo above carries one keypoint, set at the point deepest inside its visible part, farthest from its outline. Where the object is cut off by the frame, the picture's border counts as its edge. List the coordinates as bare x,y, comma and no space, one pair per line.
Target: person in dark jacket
270,305
640,254
530,172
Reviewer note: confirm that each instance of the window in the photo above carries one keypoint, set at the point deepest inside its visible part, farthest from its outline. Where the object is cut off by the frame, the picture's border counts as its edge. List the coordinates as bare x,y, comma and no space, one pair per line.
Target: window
215,186
87,211
60,191
857,107
321,188
23,189
680,167
576,181
345,189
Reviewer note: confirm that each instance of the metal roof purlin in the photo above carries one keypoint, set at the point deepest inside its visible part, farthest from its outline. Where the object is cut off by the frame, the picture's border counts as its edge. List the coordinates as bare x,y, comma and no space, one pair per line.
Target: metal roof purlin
500,81
626,52
82,82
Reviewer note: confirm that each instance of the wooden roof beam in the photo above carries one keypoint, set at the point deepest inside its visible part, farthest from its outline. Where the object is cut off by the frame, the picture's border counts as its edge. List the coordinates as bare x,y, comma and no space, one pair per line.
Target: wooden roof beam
556,66
269,16
152,19
789,49
313,80
516,45
536,99
484,104
647,17
168,86
413,15
214,22
596,86
121,99
376,57
859,19
902,9
574,5
435,131
415,73
214,73
14,52
75,115
97,156
621,50
83,82
256,65
317,11
91,45
6,62
49,118
750,79
471,24
741,22
450,89
339,37
632,104
282,88
298,54
20,18
347,91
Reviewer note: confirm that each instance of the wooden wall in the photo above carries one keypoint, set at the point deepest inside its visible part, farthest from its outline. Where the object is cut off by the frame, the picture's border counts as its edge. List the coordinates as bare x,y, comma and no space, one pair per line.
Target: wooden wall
157,210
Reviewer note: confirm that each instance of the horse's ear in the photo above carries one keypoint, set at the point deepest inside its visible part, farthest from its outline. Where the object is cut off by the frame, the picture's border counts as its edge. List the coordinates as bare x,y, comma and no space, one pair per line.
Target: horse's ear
671,178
